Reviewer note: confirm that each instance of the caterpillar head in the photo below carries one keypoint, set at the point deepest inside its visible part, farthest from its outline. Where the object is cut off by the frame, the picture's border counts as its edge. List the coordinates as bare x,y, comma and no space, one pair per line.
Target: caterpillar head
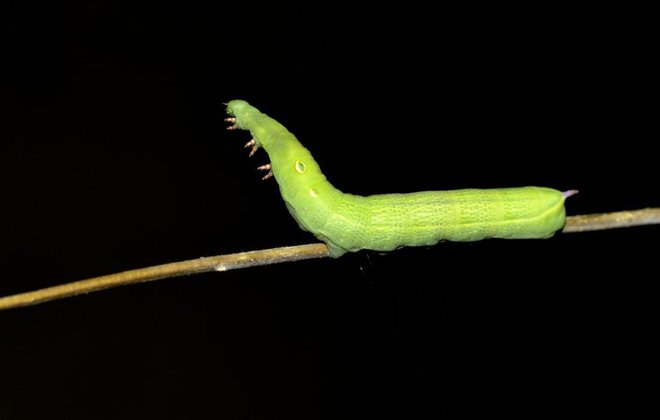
237,107
240,110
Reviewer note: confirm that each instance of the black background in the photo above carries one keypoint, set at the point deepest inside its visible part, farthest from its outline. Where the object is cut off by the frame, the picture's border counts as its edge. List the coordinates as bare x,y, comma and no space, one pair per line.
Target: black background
114,156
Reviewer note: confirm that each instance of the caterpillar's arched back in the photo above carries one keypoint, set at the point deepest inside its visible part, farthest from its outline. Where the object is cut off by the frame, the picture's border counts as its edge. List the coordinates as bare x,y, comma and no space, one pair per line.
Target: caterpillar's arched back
348,223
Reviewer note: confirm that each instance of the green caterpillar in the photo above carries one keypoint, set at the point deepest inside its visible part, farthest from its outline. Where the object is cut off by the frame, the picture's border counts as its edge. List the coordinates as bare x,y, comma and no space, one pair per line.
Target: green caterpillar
349,223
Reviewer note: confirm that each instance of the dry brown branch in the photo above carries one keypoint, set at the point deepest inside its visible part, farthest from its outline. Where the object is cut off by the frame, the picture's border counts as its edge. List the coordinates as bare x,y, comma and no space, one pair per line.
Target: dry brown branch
581,223
176,269
619,219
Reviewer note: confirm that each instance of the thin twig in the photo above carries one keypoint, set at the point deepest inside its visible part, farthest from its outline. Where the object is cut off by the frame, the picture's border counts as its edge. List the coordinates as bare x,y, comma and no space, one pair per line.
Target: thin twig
157,272
227,262
619,219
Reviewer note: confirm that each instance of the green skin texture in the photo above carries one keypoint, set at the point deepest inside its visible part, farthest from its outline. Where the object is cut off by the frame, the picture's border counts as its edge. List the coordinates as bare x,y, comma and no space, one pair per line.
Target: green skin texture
349,223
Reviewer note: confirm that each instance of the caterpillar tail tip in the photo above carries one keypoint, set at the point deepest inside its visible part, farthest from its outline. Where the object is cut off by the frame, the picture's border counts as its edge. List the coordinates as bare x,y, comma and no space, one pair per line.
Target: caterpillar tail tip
569,193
